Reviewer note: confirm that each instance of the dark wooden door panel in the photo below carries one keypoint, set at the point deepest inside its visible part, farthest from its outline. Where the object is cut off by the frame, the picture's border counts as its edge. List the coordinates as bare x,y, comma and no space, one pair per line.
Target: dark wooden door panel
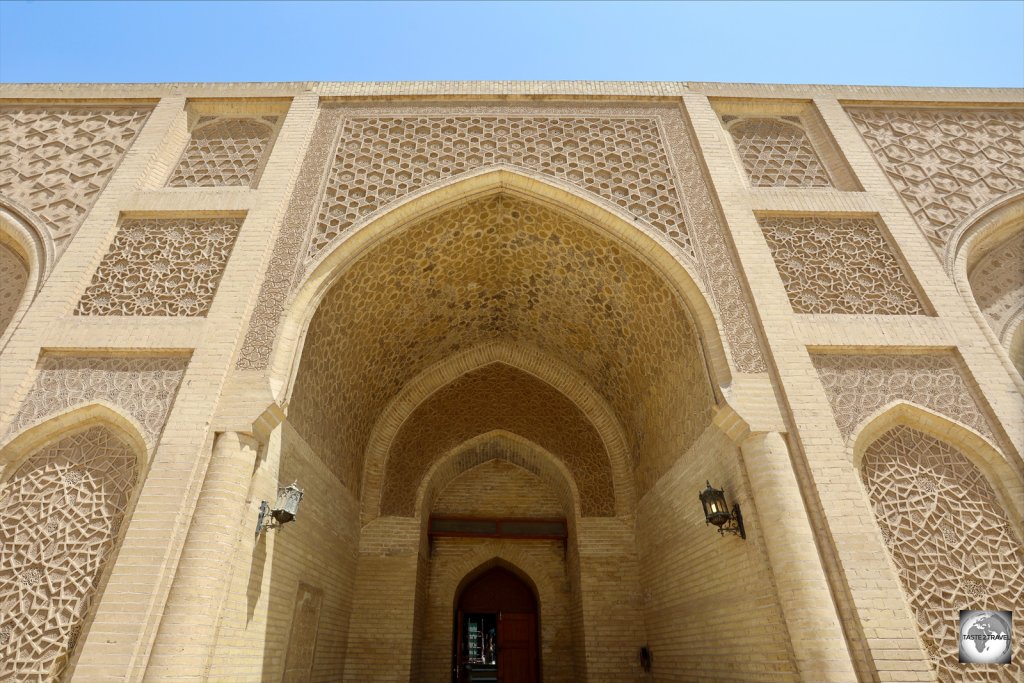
517,648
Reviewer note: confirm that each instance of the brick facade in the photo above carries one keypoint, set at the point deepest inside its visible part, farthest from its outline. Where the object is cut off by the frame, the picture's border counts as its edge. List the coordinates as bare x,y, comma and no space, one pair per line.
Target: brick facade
509,300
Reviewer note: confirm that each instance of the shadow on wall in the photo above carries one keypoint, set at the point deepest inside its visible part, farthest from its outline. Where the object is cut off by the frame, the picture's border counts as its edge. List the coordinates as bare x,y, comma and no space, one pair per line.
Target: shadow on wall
301,576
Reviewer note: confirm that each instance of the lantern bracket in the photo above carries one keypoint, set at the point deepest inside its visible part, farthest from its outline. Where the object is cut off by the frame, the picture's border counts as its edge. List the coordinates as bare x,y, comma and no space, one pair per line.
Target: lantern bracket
285,509
716,512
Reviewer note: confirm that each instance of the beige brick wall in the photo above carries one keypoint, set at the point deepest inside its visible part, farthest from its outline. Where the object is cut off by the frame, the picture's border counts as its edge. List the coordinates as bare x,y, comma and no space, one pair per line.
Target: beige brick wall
697,583
265,572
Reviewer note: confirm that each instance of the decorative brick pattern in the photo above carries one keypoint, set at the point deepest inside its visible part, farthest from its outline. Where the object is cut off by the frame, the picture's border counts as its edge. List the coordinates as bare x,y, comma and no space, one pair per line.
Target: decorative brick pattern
62,512
499,268
56,160
839,265
380,159
491,398
161,267
997,280
225,152
286,259
950,541
13,281
143,387
717,258
945,163
858,385
777,153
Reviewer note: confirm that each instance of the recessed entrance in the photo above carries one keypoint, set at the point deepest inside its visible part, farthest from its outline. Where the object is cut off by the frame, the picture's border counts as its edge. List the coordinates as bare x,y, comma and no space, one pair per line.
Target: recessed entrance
496,630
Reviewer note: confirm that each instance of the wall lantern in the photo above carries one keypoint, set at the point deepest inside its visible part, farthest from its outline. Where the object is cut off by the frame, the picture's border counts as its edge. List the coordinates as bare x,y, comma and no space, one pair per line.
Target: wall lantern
717,512
284,510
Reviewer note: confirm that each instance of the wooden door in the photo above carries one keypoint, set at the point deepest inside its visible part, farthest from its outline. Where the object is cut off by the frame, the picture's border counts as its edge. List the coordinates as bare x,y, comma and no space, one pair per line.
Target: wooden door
502,604
517,647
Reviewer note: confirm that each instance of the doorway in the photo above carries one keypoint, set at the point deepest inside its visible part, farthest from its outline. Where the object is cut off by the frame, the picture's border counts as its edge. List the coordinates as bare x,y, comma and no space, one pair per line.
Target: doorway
495,639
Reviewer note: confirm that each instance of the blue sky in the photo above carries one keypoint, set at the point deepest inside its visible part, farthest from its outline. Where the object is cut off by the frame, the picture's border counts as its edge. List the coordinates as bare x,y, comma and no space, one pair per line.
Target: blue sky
915,43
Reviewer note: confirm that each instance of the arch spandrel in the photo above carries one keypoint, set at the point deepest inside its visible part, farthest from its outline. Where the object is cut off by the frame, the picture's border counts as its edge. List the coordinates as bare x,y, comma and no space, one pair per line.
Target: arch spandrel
497,268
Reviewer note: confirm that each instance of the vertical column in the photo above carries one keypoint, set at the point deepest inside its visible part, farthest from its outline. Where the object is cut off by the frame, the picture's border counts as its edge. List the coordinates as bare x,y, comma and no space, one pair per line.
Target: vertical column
819,642
185,639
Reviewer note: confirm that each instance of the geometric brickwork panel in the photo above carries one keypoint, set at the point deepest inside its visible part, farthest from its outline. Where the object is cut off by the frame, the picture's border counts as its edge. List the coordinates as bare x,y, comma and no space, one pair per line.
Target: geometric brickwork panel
13,281
62,511
498,269
224,152
857,385
997,280
777,153
380,159
161,267
286,258
951,542
945,163
56,160
144,387
839,265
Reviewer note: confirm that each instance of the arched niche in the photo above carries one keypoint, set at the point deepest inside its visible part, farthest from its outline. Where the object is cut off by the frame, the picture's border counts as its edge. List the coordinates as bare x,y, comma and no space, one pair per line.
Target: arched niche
985,257
630,232
26,256
65,496
530,361
499,446
951,540
501,268
1005,481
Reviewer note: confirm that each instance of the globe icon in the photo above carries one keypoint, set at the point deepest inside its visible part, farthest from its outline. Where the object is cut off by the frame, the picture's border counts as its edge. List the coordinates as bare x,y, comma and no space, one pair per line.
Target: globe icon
985,637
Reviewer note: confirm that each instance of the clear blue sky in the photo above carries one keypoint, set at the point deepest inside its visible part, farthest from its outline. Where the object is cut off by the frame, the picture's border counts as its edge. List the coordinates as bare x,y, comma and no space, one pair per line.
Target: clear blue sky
915,43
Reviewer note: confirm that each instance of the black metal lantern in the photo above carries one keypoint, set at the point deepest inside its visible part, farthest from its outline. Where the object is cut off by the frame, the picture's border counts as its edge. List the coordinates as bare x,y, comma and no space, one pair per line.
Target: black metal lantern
285,508
717,512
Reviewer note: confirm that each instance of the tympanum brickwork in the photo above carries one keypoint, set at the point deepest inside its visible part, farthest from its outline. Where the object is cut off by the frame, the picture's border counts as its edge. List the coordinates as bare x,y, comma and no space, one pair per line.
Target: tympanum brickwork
161,267
950,540
946,163
13,281
858,385
144,387
225,152
776,152
839,265
62,511
56,160
492,398
997,280
498,268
